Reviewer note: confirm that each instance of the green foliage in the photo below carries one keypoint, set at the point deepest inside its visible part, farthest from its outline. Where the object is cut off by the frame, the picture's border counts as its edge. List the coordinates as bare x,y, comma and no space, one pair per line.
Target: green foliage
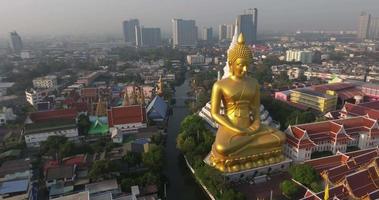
83,124
153,159
59,145
262,73
300,117
316,187
157,139
127,183
52,145
194,138
304,173
102,169
289,188
195,141
132,158
285,114
144,179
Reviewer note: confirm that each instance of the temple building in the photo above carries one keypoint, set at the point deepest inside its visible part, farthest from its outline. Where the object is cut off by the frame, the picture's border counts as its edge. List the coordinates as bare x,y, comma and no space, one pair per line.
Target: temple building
352,175
99,121
125,120
134,95
157,110
334,135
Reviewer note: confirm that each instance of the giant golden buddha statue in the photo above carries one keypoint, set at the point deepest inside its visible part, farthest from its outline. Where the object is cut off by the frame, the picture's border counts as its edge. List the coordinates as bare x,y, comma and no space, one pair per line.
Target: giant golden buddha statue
242,142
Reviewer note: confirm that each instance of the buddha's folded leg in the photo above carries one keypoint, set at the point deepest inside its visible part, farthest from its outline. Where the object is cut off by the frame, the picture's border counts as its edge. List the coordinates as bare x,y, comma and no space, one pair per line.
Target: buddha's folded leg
260,144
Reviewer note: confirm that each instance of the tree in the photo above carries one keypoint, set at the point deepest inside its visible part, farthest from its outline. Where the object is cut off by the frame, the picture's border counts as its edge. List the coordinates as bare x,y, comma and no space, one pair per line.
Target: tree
102,168
127,183
153,159
304,173
83,124
52,145
289,189
132,158
67,149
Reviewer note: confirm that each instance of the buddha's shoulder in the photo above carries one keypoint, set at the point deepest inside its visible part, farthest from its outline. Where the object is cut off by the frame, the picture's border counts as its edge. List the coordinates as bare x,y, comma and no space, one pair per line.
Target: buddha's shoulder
252,80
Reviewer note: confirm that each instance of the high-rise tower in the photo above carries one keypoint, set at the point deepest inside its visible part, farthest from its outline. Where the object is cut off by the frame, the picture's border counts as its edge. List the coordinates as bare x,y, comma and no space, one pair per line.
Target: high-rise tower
129,28
364,25
184,33
248,25
15,42
222,32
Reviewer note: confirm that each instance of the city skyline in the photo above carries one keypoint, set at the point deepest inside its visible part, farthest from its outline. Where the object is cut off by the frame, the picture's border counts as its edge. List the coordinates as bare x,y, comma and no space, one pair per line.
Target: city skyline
99,17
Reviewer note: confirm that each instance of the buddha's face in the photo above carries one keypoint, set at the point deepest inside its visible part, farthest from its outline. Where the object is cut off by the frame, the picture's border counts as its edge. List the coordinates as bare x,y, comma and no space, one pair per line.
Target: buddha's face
239,67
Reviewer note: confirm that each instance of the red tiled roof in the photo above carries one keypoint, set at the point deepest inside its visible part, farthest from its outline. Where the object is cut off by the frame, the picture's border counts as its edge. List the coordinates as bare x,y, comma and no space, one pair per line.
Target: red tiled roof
361,183
328,162
44,116
333,86
341,192
89,92
371,109
126,115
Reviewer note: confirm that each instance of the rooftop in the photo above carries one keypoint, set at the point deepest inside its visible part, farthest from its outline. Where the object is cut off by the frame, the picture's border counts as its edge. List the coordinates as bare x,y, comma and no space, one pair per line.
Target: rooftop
102,186
78,196
14,186
49,126
60,172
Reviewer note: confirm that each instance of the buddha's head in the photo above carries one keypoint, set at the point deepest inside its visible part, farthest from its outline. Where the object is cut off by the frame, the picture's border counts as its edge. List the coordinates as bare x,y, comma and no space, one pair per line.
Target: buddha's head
239,58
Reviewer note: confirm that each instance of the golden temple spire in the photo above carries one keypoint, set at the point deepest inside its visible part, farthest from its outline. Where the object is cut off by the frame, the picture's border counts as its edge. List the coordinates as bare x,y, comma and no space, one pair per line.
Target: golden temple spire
241,39
126,98
160,87
101,108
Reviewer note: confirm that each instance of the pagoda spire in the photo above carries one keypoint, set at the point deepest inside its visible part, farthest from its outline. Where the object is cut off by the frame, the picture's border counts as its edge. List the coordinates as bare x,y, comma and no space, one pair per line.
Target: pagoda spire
101,108
160,87
126,98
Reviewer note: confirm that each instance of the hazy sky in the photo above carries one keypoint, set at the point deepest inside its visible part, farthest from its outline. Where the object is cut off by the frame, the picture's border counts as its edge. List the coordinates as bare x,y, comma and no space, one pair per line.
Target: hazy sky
31,17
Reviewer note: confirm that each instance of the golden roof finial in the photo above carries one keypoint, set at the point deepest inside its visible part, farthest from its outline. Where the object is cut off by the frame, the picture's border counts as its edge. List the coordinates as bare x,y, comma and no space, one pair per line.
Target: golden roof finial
241,39
240,50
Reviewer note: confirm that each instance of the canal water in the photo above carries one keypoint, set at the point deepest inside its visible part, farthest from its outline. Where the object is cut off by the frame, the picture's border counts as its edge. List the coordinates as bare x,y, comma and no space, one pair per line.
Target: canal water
181,183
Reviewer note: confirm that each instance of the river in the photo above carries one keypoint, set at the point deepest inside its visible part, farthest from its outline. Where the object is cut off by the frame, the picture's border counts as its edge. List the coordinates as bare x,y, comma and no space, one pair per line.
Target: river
181,183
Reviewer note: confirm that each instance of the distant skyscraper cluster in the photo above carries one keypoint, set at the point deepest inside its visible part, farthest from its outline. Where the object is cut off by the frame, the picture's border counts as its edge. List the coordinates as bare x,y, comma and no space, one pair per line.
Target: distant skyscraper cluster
184,33
368,27
139,36
247,24
16,42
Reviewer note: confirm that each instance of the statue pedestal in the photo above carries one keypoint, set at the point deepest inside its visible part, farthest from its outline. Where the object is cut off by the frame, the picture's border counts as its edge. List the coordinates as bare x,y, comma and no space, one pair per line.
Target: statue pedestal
250,175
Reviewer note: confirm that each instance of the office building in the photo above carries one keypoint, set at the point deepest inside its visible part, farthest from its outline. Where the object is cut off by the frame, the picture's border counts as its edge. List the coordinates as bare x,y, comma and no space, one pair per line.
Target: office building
373,33
222,31
248,25
45,82
207,33
304,57
129,28
322,102
230,31
148,37
15,42
195,59
184,33
364,25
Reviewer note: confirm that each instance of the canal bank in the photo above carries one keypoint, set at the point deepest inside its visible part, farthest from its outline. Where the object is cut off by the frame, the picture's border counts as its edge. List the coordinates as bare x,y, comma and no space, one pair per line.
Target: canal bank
181,183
